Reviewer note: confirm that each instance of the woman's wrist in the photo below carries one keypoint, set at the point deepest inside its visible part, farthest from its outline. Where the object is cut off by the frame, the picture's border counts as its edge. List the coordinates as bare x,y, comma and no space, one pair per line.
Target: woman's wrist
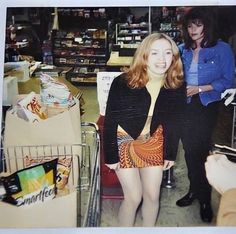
200,90
204,88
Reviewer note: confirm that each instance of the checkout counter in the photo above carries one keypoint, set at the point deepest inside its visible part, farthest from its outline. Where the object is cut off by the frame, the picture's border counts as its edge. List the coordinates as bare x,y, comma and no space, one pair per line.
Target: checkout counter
120,58
118,61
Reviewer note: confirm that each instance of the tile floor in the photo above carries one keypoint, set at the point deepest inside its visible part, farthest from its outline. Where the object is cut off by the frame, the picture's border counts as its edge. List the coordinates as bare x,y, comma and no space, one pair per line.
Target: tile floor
169,215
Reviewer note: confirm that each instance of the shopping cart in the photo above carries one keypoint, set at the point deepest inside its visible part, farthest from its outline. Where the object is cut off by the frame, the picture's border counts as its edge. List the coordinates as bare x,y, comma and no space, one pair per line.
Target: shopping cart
84,179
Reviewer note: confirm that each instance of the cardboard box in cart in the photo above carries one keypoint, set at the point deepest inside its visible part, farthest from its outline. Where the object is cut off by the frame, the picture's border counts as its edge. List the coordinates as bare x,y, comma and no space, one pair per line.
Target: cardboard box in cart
62,129
59,212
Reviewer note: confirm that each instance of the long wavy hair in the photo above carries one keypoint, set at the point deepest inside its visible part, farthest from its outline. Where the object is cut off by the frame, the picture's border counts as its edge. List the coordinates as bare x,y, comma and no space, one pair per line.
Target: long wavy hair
137,76
208,17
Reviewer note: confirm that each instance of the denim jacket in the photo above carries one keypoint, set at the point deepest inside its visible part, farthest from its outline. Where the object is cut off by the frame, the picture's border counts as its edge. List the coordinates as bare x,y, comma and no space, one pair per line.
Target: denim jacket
215,67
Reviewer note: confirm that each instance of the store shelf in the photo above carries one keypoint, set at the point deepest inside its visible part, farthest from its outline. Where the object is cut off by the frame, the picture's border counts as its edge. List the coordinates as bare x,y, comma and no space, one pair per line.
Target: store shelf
85,52
81,43
131,33
172,31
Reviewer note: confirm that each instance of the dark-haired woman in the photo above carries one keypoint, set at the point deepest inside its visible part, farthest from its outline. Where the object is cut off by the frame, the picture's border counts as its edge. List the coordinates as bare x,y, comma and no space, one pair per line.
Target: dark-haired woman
209,71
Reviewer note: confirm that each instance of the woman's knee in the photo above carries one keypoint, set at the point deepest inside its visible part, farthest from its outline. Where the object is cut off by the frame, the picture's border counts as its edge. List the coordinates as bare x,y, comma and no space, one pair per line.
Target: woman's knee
152,197
133,198
152,193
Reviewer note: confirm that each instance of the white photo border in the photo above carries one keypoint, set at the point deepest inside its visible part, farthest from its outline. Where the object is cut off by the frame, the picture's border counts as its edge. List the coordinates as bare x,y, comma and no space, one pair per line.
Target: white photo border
105,3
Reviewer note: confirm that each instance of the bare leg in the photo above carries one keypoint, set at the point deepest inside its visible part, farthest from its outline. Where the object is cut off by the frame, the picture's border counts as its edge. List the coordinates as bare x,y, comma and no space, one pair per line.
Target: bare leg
130,182
151,182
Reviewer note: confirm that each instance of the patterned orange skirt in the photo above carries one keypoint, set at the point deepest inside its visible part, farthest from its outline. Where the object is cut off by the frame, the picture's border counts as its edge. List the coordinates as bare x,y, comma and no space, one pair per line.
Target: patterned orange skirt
142,152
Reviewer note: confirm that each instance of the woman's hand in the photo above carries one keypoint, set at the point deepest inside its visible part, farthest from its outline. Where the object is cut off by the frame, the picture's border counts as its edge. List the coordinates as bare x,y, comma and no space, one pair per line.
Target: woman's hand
192,90
168,164
195,89
114,166
220,172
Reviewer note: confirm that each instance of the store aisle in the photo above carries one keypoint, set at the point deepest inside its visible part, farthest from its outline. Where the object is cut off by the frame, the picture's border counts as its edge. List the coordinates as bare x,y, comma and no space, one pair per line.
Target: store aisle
91,104
170,215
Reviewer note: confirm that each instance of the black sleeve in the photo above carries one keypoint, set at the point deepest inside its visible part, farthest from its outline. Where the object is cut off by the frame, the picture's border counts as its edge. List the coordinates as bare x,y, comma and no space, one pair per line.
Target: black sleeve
173,121
110,125
172,135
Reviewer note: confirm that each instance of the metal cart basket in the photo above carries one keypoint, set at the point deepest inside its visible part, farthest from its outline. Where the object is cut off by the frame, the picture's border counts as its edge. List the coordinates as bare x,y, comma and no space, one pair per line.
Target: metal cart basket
84,180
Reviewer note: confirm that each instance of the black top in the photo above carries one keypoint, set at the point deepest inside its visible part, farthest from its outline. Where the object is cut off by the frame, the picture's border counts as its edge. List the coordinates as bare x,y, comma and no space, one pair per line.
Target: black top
129,108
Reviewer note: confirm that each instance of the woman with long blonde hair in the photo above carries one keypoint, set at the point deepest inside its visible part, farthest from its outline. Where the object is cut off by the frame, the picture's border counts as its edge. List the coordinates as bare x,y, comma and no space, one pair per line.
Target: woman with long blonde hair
142,125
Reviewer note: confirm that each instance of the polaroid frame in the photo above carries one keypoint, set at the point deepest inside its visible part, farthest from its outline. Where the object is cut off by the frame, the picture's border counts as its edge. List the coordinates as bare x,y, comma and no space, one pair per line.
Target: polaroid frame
103,3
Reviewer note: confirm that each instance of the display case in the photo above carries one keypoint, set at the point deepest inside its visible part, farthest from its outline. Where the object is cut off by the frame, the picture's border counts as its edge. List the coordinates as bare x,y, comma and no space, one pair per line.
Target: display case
81,43
130,35
85,51
172,30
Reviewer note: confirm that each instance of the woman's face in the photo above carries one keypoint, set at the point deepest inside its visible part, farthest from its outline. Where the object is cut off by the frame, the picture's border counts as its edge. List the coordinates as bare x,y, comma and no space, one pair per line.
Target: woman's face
160,56
195,30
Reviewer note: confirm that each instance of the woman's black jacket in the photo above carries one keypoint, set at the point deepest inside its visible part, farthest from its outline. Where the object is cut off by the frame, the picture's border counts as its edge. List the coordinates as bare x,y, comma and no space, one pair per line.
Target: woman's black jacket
129,108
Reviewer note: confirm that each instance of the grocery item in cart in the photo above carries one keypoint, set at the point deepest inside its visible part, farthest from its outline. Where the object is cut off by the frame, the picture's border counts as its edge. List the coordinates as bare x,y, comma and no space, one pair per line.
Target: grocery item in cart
31,185
63,170
29,109
55,93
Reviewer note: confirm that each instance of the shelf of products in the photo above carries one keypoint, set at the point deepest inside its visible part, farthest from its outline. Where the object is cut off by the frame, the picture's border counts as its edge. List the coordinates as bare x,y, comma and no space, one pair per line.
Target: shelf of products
85,51
172,30
82,46
132,34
